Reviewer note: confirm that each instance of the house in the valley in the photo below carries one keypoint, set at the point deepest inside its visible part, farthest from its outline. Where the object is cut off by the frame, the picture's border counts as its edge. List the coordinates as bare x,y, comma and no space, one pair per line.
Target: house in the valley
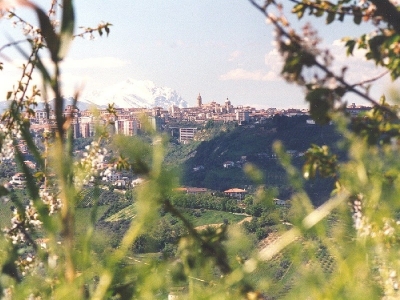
236,193
18,179
111,176
198,168
120,184
281,202
228,164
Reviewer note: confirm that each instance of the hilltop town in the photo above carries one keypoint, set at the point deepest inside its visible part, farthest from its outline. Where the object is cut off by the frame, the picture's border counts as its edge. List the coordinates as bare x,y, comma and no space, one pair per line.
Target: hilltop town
181,122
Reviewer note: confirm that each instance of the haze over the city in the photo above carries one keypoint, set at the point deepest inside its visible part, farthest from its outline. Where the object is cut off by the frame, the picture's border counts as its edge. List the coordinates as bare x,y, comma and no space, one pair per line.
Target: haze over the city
218,48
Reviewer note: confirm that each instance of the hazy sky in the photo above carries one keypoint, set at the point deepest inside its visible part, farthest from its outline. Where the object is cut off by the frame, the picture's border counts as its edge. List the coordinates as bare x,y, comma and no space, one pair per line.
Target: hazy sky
220,48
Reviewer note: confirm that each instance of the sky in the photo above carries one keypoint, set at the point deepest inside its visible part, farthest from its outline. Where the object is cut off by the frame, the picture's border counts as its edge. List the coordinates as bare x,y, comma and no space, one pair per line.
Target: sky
220,49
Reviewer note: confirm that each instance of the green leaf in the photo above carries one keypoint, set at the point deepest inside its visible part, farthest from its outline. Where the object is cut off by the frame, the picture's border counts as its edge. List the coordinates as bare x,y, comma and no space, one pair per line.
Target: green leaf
43,71
3,191
50,36
357,15
321,102
9,267
375,47
340,91
330,18
350,44
299,9
319,12
67,28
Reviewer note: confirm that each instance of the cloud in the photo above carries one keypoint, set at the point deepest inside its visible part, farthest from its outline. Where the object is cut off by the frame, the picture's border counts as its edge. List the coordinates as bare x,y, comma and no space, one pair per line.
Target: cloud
271,71
179,44
273,61
73,82
234,55
358,68
76,73
241,74
107,62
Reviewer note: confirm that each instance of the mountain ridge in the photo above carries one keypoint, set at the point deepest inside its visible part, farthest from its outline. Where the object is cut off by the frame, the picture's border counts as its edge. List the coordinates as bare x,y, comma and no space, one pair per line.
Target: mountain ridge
137,94
130,93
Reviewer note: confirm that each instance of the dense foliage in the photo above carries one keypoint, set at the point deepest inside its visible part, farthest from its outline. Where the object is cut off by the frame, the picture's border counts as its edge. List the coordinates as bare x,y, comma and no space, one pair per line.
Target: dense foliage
254,144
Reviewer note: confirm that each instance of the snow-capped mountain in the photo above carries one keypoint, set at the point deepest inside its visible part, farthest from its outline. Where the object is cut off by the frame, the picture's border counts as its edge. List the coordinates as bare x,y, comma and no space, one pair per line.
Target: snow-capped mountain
130,93
136,94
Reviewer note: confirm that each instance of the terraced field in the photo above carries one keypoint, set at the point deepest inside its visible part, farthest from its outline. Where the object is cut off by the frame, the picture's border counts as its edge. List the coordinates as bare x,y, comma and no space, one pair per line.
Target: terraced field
128,212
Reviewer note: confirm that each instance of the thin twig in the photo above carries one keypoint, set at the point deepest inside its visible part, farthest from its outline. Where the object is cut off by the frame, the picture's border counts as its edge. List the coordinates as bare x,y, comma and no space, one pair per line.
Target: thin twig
14,43
371,79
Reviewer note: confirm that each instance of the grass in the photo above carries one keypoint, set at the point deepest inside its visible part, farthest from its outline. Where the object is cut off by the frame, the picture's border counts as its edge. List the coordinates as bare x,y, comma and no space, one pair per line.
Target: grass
214,217
206,217
5,214
82,216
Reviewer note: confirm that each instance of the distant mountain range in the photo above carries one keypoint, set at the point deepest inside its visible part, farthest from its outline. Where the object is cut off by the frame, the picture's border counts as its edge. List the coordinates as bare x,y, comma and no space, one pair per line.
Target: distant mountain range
136,93
130,93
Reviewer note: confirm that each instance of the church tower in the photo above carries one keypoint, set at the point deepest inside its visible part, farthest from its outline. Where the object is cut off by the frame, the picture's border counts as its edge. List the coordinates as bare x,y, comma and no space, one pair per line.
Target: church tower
228,105
199,101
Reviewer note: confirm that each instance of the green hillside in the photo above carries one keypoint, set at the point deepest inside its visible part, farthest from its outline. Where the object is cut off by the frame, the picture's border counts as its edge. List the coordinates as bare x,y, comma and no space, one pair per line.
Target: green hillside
232,143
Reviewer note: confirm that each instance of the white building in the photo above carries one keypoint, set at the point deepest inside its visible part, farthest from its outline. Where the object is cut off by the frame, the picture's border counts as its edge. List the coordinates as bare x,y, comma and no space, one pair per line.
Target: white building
187,134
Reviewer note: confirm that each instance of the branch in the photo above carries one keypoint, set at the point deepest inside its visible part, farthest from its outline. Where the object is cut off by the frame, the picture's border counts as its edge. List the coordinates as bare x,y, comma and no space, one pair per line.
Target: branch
344,10
371,79
352,88
91,30
13,44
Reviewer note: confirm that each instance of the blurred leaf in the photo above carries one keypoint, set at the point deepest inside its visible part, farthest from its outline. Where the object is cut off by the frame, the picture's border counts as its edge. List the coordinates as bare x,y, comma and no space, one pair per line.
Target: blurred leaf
254,173
10,267
49,34
67,28
319,12
357,15
374,44
331,17
33,149
321,103
3,191
320,159
350,46
299,10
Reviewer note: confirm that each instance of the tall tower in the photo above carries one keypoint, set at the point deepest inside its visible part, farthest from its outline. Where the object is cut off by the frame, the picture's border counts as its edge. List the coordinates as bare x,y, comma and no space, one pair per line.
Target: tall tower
228,105
199,101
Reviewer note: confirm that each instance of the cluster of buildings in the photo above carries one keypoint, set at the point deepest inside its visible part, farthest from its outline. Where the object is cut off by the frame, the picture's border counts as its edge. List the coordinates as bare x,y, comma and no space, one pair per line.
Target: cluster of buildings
226,112
83,123
128,121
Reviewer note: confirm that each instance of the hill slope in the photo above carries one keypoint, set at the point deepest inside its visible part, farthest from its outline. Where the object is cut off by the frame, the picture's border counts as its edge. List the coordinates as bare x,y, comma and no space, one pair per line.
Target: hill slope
255,144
